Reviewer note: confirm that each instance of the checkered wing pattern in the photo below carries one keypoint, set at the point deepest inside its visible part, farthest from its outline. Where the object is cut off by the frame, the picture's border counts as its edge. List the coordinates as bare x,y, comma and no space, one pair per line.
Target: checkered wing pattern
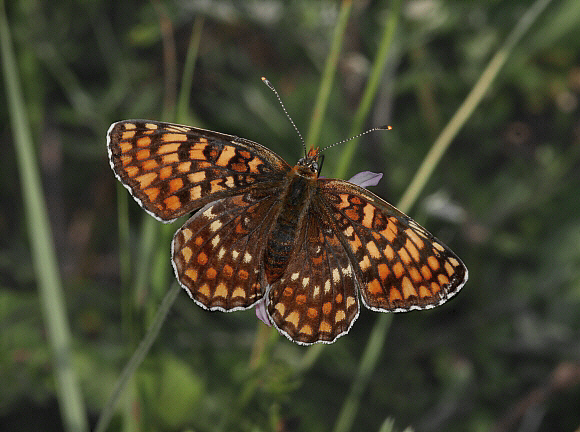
315,300
398,264
217,253
172,170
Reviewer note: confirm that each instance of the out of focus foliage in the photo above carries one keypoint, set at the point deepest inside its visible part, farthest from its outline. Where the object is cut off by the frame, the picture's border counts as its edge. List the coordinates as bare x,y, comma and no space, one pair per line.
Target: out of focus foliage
503,354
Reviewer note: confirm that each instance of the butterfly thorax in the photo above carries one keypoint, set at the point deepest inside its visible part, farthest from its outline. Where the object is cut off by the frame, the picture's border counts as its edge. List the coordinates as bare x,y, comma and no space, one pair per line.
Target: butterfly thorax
299,186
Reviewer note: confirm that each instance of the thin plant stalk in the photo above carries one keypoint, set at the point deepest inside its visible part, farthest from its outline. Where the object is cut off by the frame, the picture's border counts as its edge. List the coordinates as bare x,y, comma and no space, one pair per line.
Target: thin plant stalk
376,342
70,398
328,75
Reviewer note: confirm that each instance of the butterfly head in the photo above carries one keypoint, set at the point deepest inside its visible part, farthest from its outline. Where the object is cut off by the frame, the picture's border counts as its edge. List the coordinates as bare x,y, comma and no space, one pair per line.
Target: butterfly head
309,165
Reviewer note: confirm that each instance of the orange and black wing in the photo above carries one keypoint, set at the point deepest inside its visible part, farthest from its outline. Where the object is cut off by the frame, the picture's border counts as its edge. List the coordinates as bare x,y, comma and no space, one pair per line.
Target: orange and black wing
172,169
399,265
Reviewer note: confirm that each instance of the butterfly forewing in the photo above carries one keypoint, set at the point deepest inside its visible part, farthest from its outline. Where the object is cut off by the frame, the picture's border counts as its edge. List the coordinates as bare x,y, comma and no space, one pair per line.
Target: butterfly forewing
400,265
172,169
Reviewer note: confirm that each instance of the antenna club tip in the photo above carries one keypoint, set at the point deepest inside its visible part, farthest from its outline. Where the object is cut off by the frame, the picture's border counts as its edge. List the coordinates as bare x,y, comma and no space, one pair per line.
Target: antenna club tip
387,127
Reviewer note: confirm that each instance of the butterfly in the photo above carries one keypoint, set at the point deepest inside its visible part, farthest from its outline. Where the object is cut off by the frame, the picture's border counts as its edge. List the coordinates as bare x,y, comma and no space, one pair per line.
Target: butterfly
312,248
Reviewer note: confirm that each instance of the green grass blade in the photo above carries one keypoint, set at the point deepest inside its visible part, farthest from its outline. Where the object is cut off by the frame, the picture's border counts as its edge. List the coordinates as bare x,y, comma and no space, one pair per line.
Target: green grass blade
52,300
328,75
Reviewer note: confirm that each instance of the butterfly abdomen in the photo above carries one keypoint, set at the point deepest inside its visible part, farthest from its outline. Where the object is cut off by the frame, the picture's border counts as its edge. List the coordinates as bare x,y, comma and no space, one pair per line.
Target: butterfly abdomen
295,201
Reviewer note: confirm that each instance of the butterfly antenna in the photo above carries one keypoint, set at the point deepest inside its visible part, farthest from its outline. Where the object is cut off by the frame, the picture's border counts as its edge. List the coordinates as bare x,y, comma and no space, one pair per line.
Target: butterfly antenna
386,127
271,86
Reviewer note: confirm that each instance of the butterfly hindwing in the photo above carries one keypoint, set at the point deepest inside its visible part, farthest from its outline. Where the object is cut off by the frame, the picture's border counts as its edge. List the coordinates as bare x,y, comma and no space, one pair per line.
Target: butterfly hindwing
400,266
315,300
172,169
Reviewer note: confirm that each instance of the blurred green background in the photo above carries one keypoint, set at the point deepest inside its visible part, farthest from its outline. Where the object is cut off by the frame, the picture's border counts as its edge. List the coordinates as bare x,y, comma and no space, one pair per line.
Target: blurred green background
504,355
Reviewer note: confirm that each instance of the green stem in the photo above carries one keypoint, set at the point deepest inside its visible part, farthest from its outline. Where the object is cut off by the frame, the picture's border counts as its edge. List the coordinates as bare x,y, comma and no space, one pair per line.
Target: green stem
52,299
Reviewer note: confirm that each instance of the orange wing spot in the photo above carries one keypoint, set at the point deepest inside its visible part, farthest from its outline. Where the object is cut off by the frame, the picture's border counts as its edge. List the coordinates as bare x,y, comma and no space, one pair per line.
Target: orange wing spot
433,263
410,246
175,184
312,313
254,164
186,233
454,262
132,171
443,280
340,315
435,288
130,126
426,272
364,263
202,258
245,154
204,290
184,167
300,299
211,273
168,148
280,308
172,202
355,244
424,292
195,193
373,250
143,154
149,165
215,186
125,146
239,167
288,291
228,271
221,290
352,214
383,271
306,329
197,176
144,141
239,292
146,179
126,159
394,294
326,308
128,134
415,238
448,268
343,201
408,288
338,298
170,158
376,236
152,126
243,274
226,156
415,275
325,327
198,240
191,273
152,193
197,154
438,246
187,253
293,318
374,287
368,215
404,255
240,229
389,252
398,269
165,172
350,301
172,137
